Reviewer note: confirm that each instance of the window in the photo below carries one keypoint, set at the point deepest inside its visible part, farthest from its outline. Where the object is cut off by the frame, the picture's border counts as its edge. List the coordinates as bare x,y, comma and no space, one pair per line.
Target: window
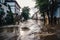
1,9
2,1
57,12
13,9
0,5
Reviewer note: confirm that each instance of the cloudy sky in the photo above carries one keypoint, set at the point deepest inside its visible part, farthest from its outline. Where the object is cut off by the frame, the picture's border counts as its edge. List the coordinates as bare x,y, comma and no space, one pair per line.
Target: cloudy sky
29,3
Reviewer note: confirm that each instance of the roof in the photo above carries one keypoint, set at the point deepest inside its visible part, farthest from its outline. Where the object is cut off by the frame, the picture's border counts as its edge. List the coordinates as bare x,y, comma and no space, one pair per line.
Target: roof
15,2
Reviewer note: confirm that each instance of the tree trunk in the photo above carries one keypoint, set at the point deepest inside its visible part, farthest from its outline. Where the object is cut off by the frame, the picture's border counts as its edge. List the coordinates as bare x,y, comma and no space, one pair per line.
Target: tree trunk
44,17
51,17
48,17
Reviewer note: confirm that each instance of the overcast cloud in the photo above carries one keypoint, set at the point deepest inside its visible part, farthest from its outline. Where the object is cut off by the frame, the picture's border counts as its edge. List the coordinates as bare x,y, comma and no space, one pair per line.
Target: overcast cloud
29,3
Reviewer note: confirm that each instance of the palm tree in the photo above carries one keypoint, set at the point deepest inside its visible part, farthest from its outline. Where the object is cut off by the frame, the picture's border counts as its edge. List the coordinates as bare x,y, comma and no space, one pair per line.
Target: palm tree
42,5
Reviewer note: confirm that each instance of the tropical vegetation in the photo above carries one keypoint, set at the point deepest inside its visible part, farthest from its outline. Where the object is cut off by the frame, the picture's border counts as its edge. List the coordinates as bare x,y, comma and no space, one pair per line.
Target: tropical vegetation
25,13
46,7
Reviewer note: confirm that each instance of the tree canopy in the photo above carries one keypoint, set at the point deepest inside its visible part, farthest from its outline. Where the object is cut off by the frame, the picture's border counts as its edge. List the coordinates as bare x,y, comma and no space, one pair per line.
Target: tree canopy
42,5
25,13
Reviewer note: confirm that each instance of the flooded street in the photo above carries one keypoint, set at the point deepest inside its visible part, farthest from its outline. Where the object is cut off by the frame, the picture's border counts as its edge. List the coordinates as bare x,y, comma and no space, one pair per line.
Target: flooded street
29,19
28,30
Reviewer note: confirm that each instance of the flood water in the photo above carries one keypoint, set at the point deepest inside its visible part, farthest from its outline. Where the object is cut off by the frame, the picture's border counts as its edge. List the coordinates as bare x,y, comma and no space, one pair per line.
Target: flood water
28,30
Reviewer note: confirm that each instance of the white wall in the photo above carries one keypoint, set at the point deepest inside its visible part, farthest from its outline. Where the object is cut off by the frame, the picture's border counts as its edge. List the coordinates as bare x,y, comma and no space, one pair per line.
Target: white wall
12,5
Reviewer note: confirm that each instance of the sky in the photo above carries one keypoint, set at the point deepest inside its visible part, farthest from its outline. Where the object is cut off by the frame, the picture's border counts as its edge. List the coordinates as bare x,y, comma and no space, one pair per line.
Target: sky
29,3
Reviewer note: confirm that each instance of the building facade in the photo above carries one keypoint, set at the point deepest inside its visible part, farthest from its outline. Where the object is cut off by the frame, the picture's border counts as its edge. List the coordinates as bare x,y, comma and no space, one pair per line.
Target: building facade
57,14
9,32
14,6
57,11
